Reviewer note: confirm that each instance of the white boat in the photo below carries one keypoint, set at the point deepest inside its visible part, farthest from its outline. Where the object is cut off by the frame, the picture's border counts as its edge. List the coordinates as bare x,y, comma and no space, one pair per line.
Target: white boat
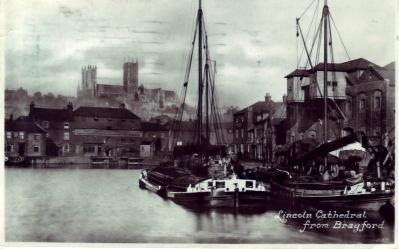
222,191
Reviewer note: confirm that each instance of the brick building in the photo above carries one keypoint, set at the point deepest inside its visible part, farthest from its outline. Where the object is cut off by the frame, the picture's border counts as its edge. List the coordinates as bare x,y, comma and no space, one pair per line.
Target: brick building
57,124
249,128
103,131
360,98
24,138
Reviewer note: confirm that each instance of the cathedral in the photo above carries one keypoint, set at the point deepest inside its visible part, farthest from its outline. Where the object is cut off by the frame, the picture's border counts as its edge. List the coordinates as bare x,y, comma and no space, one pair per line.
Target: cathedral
140,100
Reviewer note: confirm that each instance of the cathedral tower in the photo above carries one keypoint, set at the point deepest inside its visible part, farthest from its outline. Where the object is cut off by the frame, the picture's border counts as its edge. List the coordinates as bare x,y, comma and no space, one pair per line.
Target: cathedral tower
89,81
131,77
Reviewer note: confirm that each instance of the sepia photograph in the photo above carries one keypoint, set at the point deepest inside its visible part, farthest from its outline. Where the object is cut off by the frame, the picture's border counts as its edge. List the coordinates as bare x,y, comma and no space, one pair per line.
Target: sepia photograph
199,123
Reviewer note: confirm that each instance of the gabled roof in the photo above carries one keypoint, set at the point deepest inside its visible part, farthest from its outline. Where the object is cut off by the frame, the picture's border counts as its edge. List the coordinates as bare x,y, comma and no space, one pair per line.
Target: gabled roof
104,112
386,73
149,126
330,67
298,73
51,114
352,65
28,126
358,64
259,106
390,66
184,125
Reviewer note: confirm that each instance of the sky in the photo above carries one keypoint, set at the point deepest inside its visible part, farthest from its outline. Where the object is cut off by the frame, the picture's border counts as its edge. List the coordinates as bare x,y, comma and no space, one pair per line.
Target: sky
254,43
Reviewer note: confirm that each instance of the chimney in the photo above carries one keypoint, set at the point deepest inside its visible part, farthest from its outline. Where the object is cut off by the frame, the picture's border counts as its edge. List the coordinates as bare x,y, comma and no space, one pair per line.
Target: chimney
267,98
122,105
32,106
284,99
158,121
70,107
11,117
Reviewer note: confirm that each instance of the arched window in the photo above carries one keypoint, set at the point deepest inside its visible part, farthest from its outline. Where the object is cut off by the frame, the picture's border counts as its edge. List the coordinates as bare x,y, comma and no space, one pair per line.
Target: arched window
348,104
362,97
377,99
362,104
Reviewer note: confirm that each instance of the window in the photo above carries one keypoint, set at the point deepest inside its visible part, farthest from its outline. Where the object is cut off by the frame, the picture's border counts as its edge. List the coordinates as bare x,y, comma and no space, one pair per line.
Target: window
66,135
45,124
8,148
142,147
89,148
36,149
237,120
66,125
242,148
362,104
348,106
16,134
66,147
21,135
242,133
242,119
377,102
9,134
36,136
332,83
145,134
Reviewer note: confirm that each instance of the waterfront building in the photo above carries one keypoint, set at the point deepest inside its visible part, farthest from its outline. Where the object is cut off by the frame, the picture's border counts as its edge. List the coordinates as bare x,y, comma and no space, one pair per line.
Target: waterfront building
360,98
104,131
24,138
155,136
57,124
249,128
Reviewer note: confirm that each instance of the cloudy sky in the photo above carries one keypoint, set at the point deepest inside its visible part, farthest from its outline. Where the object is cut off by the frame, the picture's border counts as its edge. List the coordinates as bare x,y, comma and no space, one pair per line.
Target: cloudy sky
254,42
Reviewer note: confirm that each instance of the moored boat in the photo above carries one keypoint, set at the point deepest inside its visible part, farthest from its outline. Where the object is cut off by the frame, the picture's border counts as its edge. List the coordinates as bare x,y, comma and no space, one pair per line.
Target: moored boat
354,193
225,191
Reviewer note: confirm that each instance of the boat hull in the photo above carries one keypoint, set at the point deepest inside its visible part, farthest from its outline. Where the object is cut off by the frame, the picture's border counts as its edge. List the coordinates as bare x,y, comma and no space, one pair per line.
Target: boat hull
153,187
336,198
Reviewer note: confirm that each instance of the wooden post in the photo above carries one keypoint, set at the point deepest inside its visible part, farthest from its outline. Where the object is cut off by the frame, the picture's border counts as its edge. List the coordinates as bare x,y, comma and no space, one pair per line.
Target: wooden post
236,197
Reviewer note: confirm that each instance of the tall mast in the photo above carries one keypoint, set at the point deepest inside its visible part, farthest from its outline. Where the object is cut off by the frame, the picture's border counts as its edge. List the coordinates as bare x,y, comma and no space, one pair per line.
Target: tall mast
325,16
207,92
200,79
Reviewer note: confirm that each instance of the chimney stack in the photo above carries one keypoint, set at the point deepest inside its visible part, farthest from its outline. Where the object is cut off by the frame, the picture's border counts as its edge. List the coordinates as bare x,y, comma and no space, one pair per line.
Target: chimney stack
32,106
284,99
122,106
11,117
70,107
267,98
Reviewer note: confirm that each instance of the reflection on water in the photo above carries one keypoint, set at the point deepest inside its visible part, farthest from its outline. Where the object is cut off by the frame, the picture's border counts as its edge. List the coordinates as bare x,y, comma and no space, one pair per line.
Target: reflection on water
107,206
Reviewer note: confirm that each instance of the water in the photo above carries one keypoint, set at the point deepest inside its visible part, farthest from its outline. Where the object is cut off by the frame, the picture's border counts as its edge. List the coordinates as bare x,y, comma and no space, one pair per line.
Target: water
107,206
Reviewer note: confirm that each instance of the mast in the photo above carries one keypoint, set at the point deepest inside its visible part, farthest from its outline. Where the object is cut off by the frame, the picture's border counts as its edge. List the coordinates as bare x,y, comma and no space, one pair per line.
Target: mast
325,16
206,93
200,80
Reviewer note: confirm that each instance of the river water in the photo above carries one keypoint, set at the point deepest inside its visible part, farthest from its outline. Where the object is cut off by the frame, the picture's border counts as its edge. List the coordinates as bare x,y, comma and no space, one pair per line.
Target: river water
107,206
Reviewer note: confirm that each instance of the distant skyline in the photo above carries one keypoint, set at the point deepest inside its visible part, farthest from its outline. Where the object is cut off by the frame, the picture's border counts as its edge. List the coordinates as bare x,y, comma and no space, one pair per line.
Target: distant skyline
253,42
